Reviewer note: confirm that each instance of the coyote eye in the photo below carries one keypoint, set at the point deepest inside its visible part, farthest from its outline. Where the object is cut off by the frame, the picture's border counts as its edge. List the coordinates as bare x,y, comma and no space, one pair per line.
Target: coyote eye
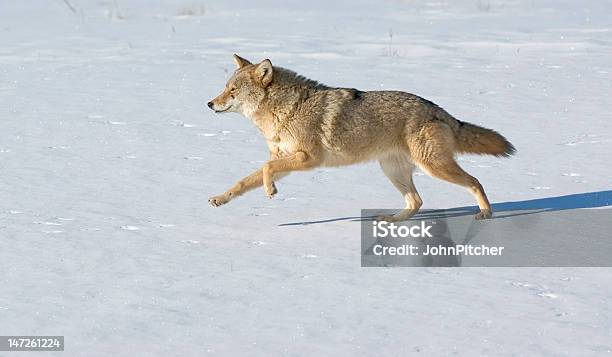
232,92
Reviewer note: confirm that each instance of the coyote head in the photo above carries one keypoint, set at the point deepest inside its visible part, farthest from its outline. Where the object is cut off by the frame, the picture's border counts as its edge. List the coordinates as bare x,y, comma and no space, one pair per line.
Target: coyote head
245,90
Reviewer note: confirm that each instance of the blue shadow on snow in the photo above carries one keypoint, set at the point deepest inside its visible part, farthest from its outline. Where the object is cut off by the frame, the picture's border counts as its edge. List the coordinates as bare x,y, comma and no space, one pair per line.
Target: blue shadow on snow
558,203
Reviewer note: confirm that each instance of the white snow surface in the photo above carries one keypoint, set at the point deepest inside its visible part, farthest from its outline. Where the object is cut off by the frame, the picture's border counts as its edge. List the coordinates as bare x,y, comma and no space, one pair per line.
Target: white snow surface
108,156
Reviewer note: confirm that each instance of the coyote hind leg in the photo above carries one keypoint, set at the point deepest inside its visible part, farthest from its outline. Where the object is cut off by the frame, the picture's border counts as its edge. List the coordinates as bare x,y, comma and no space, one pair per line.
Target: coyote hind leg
399,171
452,172
433,151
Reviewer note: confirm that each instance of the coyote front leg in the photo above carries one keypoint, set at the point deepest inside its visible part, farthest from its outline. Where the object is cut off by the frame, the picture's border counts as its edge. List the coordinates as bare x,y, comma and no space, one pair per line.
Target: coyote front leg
250,182
295,162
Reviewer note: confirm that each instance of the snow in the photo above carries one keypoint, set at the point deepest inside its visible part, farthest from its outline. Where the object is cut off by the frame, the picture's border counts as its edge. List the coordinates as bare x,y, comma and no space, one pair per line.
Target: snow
108,156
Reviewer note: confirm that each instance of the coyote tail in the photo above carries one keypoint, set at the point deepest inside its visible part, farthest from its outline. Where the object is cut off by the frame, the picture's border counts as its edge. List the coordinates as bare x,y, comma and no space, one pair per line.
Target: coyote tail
475,139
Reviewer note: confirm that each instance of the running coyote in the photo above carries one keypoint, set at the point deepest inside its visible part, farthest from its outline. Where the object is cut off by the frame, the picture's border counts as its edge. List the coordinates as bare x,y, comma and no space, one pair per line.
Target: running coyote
307,124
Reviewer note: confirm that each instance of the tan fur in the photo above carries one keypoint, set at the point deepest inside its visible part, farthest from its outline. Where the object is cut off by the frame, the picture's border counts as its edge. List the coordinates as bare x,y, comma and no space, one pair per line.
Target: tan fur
307,125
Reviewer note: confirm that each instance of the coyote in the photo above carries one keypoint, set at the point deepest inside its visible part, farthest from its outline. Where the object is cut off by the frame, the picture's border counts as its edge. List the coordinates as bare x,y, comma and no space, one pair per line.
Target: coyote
307,124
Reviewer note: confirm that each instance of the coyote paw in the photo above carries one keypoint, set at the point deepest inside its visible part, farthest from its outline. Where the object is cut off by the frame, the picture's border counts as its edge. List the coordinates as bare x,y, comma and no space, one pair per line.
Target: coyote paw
219,200
271,190
484,214
384,218
398,217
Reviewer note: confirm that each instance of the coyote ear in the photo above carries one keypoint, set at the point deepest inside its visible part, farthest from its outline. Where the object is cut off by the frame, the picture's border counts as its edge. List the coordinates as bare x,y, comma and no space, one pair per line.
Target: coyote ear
264,72
241,62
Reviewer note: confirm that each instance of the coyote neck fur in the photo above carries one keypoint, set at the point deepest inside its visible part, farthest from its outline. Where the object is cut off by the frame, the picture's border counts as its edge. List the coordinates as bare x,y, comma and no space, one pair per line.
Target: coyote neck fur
283,99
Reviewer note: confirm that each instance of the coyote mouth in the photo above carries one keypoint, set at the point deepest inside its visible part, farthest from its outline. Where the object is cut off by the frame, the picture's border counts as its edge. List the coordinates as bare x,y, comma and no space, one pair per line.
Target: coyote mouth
224,110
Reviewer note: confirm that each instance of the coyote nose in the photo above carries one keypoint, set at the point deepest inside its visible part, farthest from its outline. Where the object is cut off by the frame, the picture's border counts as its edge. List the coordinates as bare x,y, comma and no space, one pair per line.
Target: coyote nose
210,104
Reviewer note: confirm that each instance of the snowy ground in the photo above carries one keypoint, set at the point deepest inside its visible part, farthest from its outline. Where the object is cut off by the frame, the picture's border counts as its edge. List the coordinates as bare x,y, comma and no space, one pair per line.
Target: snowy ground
108,156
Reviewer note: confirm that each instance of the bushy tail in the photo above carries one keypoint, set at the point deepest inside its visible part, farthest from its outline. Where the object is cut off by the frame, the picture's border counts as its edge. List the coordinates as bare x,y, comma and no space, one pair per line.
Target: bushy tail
475,139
